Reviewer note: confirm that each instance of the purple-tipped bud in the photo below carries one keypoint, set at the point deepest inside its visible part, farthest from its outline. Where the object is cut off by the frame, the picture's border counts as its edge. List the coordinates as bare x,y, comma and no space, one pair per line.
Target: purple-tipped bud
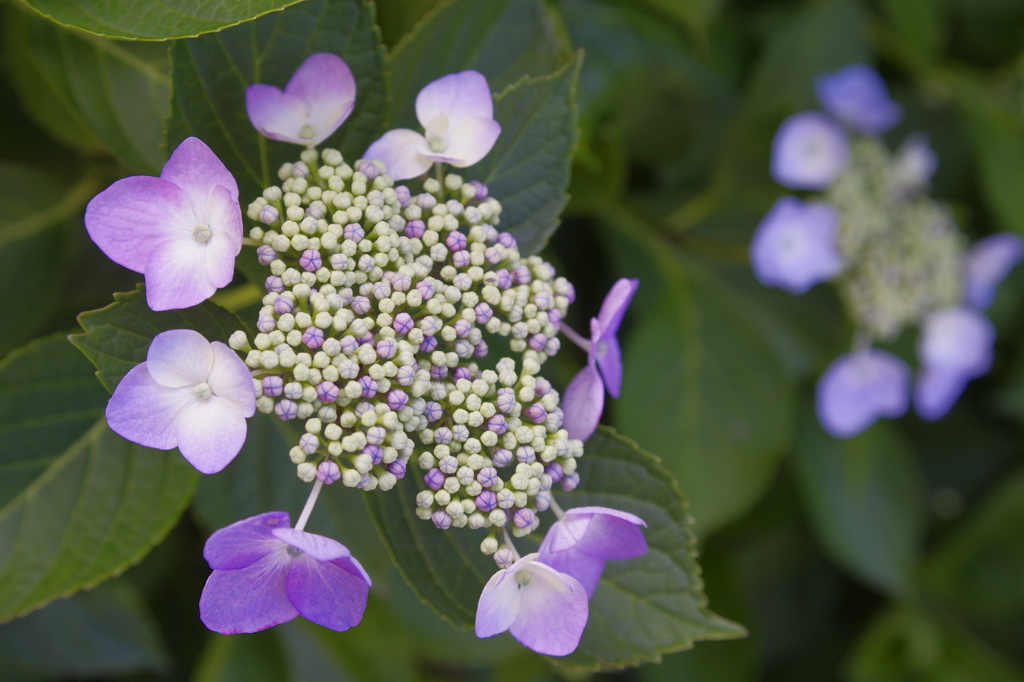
537,341
401,282
266,323
273,386
487,476
375,435
327,392
310,260
349,345
493,255
463,348
268,216
554,470
542,387
274,284
462,373
339,261
462,328
368,168
441,519
366,338
507,240
448,465
315,212
523,518
526,454
283,305
300,169
486,501
360,305
266,254
504,278
386,348
328,472
521,275
434,479
480,351
443,436
425,201
404,197
433,411
381,290
543,300
313,338
353,231
552,346
405,375
403,323
398,468
286,409
502,457
462,259
414,229
506,401
483,312
397,399
570,482
497,424
426,289
428,345
456,241
555,317
362,408
481,190
537,413
369,386
308,443
375,452
438,372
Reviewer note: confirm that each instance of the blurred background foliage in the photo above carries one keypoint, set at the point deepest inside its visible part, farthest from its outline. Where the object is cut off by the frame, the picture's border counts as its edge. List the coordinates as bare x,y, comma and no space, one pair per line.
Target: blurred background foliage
893,556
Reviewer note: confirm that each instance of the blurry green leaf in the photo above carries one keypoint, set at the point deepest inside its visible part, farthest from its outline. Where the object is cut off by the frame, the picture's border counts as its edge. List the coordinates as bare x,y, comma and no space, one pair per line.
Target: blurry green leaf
704,388
978,568
865,500
107,631
916,26
117,337
210,74
906,643
695,14
528,168
118,91
153,19
503,39
77,502
243,658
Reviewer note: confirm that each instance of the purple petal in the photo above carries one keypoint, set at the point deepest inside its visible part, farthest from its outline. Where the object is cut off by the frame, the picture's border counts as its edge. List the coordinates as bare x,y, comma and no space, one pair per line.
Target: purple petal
180,357
316,546
613,308
608,356
249,599
610,536
858,97
458,96
936,391
276,114
400,149
210,432
795,247
132,216
471,141
859,388
915,163
553,611
245,542
326,594
586,570
230,379
989,261
196,169
144,412
583,403
499,603
607,511
808,152
326,86
957,341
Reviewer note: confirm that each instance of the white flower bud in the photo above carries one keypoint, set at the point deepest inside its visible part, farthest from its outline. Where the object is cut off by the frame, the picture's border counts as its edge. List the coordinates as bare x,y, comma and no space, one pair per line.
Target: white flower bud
489,546
351,478
306,471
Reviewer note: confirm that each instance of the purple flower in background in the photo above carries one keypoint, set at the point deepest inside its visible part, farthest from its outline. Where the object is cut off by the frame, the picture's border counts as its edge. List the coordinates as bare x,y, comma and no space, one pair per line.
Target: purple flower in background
809,151
987,264
859,388
181,230
858,97
457,115
266,573
318,98
190,394
545,610
915,163
583,401
955,346
794,246
580,542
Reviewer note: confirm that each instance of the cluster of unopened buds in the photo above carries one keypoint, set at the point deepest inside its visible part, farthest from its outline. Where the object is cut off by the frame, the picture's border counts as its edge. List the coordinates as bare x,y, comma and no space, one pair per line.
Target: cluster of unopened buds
896,255
372,335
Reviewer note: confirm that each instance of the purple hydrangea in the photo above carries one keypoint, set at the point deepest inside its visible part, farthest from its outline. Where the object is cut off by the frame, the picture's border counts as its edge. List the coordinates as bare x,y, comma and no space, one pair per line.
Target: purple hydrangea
989,261
809,151
859,388
955,346
794,246
857,96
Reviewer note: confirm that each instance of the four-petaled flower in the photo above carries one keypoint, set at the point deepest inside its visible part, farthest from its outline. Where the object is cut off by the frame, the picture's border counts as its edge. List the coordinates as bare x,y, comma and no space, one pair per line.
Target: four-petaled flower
580,542
584,396
795,245
190,394
181,230
457,115
544,609
266,573
318,98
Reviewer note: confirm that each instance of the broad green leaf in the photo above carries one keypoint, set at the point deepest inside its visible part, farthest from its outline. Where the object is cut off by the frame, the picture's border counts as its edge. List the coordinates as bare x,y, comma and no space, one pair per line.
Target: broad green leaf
105,632
78,503
117,337
153,19
704,387
210,74
118,91
502,39
643,608
865,500
694,14
528,169
257,657
917,28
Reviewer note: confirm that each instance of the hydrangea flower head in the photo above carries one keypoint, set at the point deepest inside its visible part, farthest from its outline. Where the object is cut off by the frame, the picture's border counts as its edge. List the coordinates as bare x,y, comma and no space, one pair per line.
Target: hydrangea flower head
989,262
318,98
457,115
544,609
859,388
955,346
266,573
809,151
581,541
857,96
181,230
584,396
795,247
190,394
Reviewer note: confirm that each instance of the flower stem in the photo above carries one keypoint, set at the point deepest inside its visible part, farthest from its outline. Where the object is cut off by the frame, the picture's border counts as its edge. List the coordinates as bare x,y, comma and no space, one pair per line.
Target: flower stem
555,508
508,543
575,338
310,503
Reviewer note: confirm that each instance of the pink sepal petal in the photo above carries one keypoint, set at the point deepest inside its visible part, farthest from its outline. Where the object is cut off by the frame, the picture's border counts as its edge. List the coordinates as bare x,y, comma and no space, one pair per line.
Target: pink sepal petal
458,96
326,594
245,542
400,149
859,388
326,85
583,403
180,357
585,569
230,379
498,606
275,113
176,275
225,220
615,303
609,361
612,537
472,140
249,599
936,391
196,170
317,546
144,412
988,262
553,611
210,433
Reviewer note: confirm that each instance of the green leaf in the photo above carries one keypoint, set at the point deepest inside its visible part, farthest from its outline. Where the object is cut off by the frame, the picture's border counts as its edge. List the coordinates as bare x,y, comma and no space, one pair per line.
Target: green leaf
210,75
105,632
695,14
865,500
704,387
153,19
117,337
643,607
917,27
78,503
502,39
117,91
257,657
